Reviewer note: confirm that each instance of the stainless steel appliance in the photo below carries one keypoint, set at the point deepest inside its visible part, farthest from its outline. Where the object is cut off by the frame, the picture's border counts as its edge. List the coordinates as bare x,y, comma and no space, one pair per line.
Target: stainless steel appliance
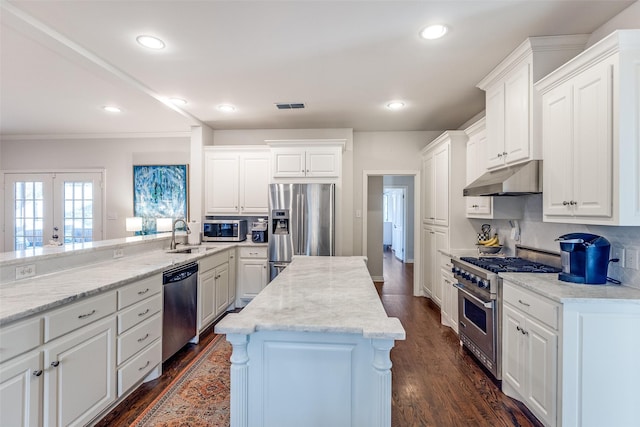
585,258
259,230
480,294
224,230
301,222
179,319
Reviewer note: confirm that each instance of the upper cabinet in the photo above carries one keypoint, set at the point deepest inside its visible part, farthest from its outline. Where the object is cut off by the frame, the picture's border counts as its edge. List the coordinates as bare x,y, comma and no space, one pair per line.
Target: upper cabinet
512,106
306,158
591,135
236,180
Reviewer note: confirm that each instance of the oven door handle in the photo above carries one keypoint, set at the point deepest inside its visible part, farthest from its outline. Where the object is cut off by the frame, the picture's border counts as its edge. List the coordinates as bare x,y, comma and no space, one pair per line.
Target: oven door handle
475,298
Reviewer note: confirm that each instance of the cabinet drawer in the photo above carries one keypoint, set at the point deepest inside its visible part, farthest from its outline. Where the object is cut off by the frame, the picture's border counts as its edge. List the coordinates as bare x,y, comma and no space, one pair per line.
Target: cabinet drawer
136,369
137,291
19,338
78,314
260,252
139,337
139,312
213,261
535,306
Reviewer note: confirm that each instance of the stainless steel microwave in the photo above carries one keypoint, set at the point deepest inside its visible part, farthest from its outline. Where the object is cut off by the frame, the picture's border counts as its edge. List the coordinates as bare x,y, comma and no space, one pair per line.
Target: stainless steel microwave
224,230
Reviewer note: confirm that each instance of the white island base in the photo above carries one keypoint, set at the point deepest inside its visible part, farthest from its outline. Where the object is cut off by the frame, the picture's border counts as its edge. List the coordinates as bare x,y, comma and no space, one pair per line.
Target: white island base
313,349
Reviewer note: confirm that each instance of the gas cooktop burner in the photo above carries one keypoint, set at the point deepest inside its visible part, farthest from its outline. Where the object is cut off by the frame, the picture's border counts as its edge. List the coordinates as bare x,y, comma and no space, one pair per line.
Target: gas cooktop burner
511,265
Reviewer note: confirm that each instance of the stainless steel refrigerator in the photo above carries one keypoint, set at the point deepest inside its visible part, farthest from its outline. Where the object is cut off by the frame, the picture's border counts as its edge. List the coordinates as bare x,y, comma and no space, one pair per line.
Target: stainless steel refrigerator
301,222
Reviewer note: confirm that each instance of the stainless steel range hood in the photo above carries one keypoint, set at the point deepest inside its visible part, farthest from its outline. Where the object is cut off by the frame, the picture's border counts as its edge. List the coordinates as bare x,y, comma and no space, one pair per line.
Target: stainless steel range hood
517,180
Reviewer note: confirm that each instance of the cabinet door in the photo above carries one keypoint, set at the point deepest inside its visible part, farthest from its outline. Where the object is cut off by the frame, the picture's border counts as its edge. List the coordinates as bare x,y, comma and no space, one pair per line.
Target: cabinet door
517,106
440,242
478,206
21,391
221,183
254,183
288,162
232,276
428,186
322,162
592,154
513,349
542,356
206,298
428,245
449,301
441,180
557,137
495,126
80,376
252,275
222,288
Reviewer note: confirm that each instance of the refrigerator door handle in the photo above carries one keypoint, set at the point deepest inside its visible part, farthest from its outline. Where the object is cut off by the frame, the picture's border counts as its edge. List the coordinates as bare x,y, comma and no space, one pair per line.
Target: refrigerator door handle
301,224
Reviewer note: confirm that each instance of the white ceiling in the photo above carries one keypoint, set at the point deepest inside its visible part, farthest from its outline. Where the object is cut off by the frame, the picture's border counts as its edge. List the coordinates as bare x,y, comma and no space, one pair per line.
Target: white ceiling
61,61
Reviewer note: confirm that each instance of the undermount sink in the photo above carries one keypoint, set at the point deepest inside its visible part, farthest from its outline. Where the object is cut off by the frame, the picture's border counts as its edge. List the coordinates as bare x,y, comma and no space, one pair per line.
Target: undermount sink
191,249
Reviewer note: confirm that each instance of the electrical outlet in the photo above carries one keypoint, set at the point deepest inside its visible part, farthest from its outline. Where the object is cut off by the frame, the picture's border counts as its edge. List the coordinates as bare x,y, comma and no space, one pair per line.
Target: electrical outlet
117,253
631,258
24,271
618,252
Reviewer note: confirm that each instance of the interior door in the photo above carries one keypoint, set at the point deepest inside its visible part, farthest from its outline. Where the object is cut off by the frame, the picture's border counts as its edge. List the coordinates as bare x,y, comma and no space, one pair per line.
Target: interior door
398,241
52,208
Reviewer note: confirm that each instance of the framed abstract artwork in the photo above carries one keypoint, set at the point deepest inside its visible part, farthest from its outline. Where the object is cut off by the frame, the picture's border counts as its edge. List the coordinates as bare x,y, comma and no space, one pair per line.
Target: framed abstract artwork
159,191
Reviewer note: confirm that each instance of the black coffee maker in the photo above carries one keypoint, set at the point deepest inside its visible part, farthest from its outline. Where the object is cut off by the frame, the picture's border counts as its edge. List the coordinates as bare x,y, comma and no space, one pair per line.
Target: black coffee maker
585,258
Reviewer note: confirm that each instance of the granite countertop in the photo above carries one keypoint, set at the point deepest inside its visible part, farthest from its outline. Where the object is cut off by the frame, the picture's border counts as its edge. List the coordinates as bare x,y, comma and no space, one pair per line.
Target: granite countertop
548,285
317,294
27,297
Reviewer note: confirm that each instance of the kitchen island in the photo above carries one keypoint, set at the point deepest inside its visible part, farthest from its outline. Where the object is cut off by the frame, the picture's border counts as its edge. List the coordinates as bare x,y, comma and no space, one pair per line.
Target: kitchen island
313,349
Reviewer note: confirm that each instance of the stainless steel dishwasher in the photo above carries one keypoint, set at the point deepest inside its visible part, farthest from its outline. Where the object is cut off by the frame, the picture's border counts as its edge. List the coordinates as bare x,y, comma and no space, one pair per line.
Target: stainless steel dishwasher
179,320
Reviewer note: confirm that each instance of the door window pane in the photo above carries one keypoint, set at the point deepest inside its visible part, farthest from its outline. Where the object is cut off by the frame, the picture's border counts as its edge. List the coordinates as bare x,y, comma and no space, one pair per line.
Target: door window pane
78,211
29,214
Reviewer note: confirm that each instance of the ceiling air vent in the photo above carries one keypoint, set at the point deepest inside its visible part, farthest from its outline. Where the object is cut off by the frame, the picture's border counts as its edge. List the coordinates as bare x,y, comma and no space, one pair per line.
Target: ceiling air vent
289,106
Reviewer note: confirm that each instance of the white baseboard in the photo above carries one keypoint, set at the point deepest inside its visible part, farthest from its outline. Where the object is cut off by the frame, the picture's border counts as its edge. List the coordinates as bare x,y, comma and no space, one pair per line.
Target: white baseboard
377,278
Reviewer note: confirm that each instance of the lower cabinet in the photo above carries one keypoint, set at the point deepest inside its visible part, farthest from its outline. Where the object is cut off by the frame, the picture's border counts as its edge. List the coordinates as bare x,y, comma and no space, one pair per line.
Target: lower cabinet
215,288
434,239
253,273
80,375
449,308
21,383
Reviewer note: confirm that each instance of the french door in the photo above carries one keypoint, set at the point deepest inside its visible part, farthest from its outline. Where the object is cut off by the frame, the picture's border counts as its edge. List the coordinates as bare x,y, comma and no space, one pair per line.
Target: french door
52,208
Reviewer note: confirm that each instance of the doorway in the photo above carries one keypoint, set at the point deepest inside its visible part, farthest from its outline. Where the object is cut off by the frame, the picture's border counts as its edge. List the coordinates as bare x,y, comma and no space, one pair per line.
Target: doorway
373,243
394,208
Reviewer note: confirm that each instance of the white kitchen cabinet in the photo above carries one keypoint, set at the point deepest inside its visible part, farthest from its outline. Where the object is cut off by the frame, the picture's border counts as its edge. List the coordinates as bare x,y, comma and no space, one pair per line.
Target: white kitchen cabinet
80,374
311,162
449,308
21,382
512,105
590,135
436,184
236,181
214,287
252,273
434,239
530,351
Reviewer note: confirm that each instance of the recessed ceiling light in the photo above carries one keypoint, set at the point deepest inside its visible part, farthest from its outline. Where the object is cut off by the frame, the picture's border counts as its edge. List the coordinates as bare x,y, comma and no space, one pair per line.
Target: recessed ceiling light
112,109
227,108
150,42
433,32
178,101
395,105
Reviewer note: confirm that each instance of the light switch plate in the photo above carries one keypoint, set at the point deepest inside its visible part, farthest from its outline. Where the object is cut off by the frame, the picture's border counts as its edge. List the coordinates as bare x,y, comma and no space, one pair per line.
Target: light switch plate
618,252
631,258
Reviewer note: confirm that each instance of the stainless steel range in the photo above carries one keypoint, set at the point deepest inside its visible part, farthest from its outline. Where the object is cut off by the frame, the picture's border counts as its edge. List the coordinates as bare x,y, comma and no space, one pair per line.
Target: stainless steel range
480,295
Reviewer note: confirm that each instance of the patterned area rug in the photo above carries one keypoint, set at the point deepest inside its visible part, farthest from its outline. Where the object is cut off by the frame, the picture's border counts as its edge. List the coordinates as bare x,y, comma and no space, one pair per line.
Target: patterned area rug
199,396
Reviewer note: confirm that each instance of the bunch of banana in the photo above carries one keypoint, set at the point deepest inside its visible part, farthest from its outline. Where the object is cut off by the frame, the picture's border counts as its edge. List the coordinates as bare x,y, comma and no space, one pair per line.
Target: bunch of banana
494,241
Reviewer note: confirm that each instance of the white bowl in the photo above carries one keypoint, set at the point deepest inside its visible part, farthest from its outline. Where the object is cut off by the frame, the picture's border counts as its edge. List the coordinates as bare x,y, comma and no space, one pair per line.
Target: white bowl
489,249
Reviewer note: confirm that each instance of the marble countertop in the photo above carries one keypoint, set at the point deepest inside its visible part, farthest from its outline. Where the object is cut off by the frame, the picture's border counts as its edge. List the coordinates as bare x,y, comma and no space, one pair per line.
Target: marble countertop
317,294
23,298
548,285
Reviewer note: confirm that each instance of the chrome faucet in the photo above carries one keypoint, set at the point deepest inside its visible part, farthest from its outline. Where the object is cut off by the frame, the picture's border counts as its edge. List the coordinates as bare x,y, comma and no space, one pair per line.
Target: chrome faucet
172,245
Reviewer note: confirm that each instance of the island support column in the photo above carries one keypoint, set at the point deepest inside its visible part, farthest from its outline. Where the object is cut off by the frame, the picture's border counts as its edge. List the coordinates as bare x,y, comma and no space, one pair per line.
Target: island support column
239,404
382,384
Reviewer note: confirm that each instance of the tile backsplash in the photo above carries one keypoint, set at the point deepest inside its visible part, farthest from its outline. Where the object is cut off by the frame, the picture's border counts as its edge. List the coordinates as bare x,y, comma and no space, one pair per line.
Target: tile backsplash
538,234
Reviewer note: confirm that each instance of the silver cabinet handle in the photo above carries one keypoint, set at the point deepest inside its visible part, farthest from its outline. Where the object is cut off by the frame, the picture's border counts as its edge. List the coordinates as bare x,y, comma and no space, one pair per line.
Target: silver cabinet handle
143,338
522,331
55,363
144,312
145,365
504,153
565,203
573,202
37,373
143,292
499,154
524,303
84,316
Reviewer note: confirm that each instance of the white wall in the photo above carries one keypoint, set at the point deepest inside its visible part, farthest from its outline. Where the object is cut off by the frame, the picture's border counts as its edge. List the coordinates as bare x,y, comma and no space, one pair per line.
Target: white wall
627,19
374,227
117,156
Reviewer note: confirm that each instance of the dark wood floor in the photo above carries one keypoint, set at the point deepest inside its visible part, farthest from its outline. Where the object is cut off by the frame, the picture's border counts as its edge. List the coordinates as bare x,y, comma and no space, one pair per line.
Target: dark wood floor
435,381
